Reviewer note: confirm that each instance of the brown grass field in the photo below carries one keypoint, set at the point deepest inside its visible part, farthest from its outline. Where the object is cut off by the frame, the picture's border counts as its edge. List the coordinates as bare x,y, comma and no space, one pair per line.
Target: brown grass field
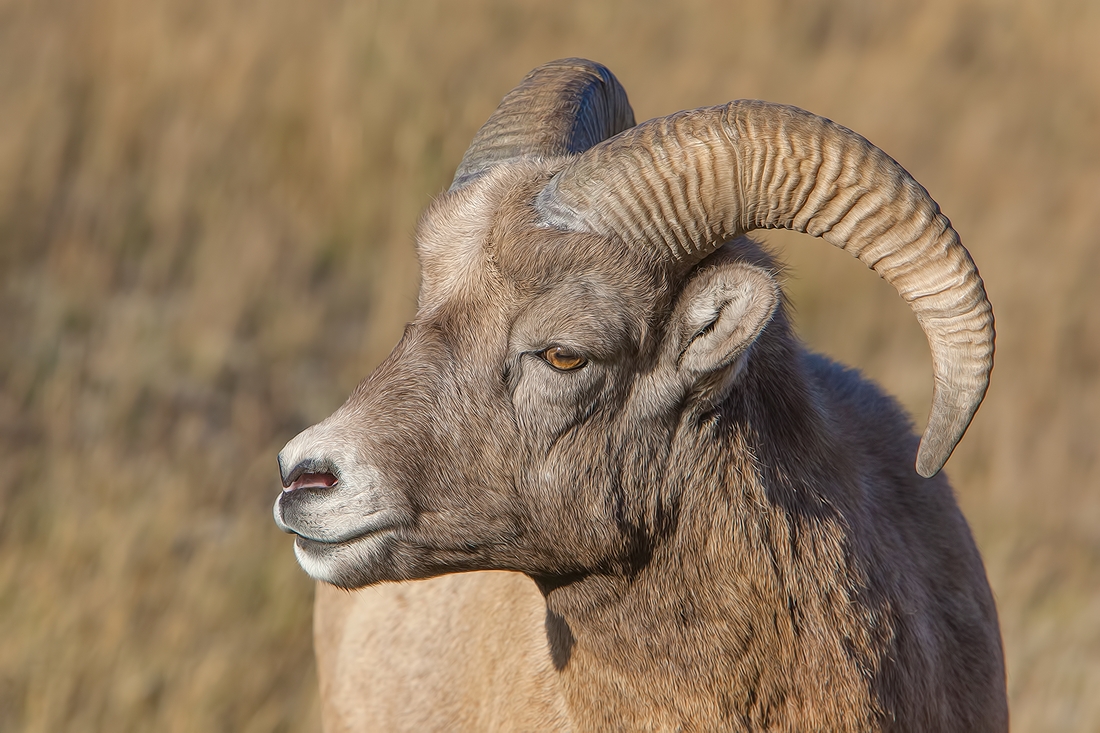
206,211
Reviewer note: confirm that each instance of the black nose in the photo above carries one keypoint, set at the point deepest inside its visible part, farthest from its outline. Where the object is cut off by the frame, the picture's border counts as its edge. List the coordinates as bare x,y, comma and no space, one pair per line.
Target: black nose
314,472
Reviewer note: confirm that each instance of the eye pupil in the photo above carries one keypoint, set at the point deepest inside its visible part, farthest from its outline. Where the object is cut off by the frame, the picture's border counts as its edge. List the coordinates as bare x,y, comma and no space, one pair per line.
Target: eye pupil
563,359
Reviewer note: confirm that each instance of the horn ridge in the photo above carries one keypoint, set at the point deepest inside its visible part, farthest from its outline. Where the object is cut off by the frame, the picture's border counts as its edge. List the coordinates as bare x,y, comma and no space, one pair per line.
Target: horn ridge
561,108
686,183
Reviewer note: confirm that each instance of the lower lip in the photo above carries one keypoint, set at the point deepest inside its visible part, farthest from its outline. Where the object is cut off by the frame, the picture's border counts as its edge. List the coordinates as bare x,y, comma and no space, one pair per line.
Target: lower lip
307,543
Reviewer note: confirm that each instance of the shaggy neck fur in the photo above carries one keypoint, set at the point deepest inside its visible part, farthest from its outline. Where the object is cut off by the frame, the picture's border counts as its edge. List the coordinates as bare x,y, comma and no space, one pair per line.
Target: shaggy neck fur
755,584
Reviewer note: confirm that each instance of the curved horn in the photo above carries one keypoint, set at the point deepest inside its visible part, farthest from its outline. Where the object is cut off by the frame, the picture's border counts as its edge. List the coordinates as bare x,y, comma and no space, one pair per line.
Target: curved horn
689,182
560,108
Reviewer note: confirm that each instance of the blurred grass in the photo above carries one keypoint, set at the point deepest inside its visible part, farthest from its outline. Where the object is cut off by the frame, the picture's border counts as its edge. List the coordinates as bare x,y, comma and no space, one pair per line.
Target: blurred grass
205,242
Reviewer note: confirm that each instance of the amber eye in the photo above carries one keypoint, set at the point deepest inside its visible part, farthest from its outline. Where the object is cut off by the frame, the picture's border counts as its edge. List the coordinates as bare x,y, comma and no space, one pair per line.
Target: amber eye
563,359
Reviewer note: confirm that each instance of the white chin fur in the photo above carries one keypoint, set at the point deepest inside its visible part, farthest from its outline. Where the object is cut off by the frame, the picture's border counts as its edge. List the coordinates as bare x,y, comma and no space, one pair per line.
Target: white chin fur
315,568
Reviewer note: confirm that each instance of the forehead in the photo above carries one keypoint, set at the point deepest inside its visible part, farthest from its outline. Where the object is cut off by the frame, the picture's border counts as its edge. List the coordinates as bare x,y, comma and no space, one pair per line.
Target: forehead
483,247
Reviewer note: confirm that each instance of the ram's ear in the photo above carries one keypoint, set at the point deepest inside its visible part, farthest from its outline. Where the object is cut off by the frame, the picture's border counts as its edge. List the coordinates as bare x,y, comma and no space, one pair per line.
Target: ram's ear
720,313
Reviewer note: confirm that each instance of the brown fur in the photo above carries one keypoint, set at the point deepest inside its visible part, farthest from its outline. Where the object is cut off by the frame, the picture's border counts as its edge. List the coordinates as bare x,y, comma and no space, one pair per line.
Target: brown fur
738,547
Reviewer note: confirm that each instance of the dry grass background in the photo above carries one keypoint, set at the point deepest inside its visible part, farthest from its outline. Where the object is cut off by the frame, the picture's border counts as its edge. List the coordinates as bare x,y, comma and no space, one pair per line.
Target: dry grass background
205,242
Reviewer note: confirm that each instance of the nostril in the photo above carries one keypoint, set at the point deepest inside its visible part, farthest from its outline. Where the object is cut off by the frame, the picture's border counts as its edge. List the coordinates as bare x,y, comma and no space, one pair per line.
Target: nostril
312,481
310,473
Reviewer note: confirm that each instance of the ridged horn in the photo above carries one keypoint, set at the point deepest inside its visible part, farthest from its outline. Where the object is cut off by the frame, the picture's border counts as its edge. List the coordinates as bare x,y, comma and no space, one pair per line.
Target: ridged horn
688,182
561,108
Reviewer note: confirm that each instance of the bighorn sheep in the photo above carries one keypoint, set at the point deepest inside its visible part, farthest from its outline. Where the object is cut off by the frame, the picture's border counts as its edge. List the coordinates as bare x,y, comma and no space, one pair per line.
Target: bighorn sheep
601,392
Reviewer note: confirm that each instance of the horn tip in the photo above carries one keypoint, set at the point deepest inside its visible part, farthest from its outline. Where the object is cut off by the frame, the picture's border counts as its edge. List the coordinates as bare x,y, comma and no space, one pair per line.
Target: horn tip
928,467
931,458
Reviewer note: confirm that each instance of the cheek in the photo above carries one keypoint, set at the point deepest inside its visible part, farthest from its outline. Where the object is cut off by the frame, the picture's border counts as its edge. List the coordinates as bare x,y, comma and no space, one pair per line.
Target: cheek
548,409
571,497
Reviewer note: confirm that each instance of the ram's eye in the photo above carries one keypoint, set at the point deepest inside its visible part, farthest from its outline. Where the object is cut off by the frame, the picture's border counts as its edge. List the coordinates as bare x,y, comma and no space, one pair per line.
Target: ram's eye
563,359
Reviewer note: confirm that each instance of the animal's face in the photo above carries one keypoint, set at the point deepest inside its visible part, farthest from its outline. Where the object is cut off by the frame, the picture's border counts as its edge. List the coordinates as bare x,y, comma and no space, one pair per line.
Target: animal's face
524,420
577,305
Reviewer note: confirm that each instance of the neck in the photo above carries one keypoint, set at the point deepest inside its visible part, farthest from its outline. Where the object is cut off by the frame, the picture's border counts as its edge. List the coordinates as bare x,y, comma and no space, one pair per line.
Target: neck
751,588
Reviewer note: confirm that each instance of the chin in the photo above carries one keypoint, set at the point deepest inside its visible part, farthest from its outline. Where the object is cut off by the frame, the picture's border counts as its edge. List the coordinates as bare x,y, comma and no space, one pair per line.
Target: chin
349,565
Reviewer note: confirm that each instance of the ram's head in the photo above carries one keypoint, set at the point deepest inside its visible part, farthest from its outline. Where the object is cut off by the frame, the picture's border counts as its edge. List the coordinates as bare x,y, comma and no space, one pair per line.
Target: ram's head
579,317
